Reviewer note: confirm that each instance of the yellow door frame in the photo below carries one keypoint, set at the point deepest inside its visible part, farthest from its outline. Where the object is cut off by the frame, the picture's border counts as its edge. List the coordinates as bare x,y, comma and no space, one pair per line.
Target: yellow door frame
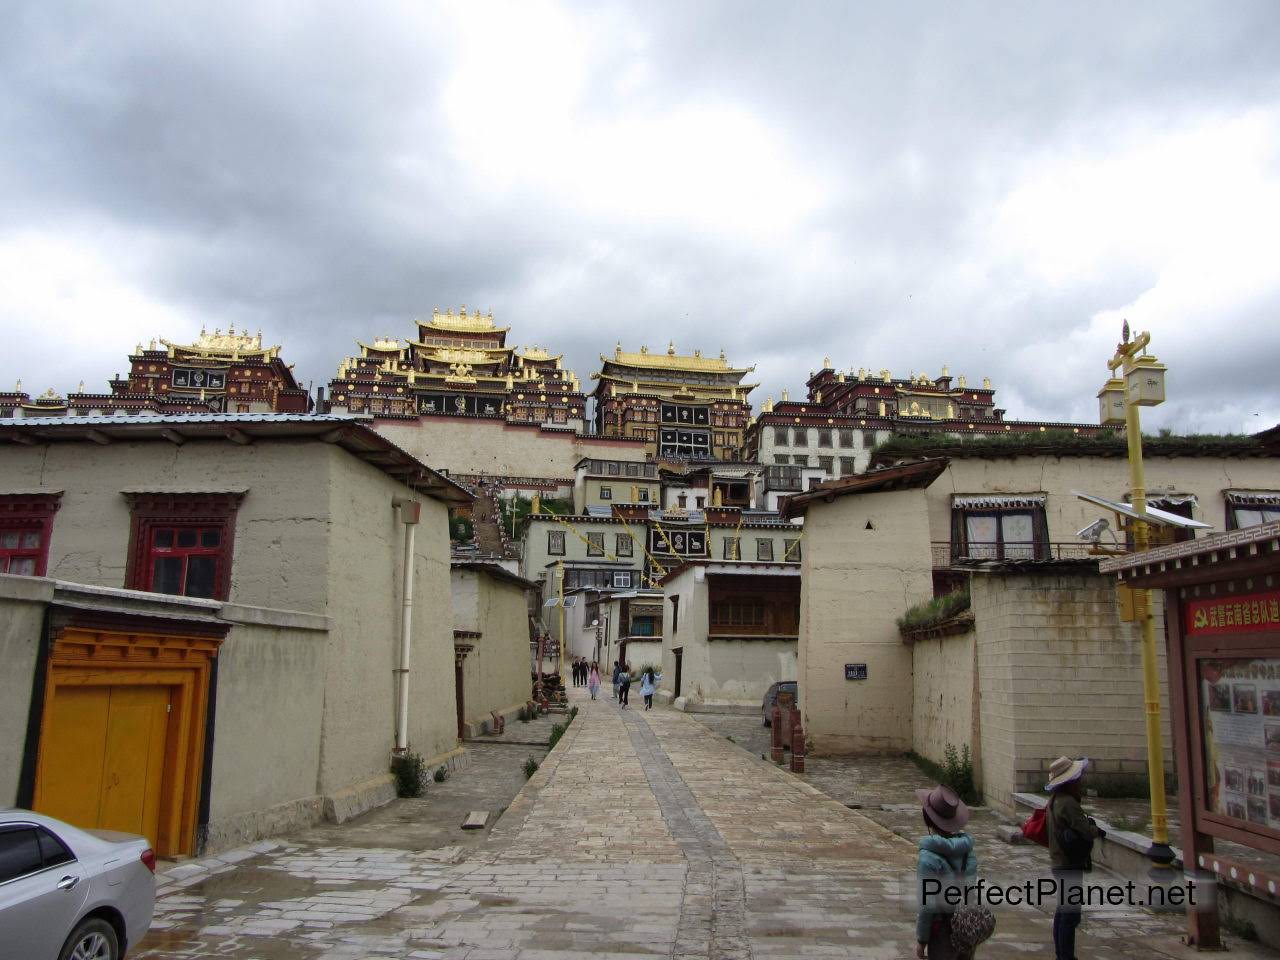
86,657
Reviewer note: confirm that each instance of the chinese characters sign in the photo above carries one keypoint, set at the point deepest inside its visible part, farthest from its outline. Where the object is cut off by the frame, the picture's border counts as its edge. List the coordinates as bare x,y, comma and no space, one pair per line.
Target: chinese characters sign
1238,614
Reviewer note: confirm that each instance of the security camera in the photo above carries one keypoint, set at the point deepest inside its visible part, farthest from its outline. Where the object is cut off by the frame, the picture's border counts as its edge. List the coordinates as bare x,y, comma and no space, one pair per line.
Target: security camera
1094,531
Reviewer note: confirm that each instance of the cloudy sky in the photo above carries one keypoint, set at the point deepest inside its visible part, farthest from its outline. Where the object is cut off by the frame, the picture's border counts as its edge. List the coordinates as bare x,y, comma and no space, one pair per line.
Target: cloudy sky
992,185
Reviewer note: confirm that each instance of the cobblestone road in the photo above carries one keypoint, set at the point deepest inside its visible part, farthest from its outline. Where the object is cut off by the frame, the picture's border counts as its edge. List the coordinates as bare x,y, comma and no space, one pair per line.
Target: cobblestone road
642,835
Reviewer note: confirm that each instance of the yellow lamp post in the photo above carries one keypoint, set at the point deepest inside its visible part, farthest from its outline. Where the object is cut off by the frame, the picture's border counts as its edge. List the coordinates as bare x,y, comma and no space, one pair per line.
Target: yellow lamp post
1141,384
560,582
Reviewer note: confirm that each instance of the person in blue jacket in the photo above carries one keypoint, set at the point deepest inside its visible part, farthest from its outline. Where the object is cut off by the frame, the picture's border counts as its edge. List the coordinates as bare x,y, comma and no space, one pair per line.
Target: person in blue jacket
947,856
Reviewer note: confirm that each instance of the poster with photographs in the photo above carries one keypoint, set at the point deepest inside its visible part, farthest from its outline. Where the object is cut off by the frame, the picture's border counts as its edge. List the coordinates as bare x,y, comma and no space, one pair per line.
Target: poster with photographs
1241,719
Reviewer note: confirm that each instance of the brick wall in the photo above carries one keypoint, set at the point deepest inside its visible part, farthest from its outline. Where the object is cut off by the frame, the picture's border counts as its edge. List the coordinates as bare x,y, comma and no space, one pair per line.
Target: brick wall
1058,673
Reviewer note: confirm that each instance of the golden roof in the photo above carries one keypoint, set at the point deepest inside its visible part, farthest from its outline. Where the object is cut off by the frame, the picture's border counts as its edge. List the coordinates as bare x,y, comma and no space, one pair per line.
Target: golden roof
229,344
538,353
673,361
382,344
462,322
451,355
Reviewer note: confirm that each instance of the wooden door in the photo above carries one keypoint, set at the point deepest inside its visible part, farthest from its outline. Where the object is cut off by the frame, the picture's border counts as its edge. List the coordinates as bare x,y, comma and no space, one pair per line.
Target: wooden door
104,757
679,665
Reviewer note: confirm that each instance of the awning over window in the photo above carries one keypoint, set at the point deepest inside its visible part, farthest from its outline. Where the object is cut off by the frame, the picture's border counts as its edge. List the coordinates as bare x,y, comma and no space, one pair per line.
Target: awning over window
988,501
1253,497
1170,499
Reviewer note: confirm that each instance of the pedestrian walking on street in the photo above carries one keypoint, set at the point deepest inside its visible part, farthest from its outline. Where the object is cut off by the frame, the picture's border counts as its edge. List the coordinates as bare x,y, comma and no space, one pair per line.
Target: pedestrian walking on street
593,680
946,856
1071,835
617,674
577,672
624,684
648,684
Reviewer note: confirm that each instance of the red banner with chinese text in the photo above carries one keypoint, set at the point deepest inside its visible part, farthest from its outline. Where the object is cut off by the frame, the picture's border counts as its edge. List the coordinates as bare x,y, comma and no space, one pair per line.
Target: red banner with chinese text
1245,613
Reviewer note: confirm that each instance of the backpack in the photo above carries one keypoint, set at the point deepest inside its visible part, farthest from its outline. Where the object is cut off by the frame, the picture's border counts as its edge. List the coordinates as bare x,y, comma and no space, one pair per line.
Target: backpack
1036,828
971,925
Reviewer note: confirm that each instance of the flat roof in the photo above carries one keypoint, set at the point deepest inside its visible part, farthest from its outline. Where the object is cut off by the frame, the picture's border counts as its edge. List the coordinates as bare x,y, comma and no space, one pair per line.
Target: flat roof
347,432
758,568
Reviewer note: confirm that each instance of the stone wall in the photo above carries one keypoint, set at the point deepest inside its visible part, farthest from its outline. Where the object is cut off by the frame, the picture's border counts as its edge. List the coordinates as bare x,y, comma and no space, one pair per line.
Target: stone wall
1059,673
22,604
944,698
495,674
866,559
473,445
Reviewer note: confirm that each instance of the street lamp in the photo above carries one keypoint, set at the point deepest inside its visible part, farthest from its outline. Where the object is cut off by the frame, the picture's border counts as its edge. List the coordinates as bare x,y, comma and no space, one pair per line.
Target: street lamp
1141,384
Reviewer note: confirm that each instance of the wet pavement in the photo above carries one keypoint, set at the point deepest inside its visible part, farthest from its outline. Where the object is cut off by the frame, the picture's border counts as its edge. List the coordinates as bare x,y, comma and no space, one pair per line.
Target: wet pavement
641,835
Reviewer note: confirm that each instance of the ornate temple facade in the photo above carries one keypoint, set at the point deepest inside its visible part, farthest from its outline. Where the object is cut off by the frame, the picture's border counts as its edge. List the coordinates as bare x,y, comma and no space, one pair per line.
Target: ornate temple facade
219,373
683,407
459,365
831,433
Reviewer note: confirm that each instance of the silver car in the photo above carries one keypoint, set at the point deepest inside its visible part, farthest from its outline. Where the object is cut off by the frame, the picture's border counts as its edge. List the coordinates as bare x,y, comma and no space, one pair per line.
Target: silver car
70,894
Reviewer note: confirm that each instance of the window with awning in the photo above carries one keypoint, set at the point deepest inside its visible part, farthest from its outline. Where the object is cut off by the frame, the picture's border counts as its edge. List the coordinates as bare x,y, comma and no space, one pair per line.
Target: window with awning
1249,508
999,526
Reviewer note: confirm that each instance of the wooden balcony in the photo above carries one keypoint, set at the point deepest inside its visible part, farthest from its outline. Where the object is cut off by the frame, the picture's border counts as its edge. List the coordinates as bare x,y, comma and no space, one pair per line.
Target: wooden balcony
948,554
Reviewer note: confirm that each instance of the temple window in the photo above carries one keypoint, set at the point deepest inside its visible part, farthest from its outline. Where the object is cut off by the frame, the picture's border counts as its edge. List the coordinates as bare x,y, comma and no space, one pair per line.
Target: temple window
182,543
799,437
764,548
555,543
791,550
623,545
846,438
595,544
781,458
800,460
606,493
827,464
780,436
847,466
999,527
732,548
824,438
26,520
1248,508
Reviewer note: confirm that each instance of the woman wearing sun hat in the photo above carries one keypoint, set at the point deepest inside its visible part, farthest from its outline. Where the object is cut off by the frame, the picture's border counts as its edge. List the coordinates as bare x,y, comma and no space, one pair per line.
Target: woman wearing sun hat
1071,837
946,855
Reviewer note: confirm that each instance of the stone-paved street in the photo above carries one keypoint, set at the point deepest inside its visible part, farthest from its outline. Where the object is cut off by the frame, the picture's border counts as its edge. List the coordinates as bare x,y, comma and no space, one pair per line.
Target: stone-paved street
642,835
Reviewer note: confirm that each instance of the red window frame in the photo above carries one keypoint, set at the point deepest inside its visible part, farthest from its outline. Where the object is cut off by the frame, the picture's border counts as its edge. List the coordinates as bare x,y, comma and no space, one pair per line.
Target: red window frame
23,513
156,512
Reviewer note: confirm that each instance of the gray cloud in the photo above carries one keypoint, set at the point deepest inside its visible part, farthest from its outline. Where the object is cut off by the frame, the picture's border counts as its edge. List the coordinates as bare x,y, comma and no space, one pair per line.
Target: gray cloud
899,185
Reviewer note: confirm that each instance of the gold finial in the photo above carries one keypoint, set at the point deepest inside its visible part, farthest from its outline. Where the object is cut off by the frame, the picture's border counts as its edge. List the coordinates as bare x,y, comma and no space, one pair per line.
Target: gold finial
202,331
18,386
644,348
945,371
826,363
617,349
963,381
462,309
138,348
153,344
786,395
986,383
885,376
768,405
450,312
698,354
671,348
722,353
81,390
882,408
231,330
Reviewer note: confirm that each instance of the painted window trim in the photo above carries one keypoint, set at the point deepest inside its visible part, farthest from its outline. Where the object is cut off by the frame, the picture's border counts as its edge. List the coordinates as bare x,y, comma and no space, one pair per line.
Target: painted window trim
151,510
28,511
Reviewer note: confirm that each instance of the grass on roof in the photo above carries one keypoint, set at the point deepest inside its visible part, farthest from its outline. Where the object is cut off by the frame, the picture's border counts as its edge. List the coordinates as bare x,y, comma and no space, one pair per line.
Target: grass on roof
1064,443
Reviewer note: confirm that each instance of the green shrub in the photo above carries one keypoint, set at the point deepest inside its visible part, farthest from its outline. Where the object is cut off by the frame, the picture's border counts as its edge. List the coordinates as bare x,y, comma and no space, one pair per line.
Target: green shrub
956,771
530,768
556,733
573,712
929,613
410,771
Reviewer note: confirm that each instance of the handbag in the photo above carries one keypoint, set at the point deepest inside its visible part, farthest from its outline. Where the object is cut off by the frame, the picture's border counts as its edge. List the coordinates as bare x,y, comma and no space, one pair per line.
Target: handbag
970,926
1036,828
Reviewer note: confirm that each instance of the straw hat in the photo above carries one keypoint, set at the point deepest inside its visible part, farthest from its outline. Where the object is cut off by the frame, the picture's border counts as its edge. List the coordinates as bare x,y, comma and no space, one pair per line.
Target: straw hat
944,808
1064,770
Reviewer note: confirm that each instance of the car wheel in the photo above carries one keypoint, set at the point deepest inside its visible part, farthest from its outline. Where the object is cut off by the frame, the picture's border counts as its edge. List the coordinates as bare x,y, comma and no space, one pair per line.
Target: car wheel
93,939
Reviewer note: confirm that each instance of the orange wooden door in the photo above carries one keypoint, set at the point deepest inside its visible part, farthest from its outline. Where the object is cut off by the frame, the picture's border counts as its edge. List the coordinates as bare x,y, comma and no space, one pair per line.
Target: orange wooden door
102,757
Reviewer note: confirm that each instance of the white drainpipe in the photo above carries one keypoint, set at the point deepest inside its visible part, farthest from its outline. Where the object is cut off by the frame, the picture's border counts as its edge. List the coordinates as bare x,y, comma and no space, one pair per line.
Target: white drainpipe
410,514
